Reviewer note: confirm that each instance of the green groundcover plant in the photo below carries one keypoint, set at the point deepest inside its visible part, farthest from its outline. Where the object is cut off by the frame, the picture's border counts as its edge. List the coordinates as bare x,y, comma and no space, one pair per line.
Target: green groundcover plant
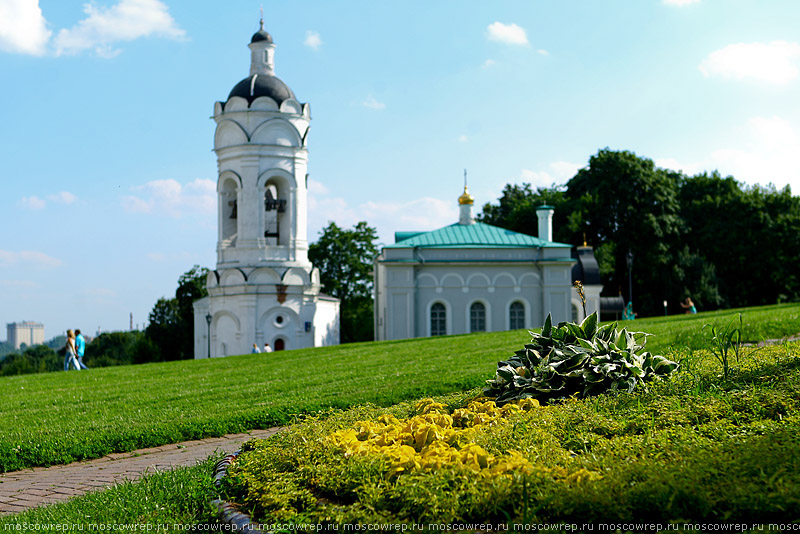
577,359
689,449
697,447
64,417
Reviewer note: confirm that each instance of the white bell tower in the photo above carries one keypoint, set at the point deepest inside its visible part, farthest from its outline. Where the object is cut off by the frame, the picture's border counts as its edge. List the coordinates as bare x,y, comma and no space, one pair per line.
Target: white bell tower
264,289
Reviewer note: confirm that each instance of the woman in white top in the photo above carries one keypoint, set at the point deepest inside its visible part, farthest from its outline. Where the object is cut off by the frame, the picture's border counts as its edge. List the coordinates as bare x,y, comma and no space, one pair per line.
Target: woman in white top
70,357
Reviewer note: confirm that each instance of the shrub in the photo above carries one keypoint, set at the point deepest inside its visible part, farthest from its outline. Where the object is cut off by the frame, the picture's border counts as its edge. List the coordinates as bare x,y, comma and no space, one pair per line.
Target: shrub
571,359
36,359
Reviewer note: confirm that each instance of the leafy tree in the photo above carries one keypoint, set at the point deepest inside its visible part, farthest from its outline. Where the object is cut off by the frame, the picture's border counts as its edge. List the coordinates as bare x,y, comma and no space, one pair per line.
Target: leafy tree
57,342
624,200
163,330
6,348
516,210
708,237
750,234
171,327
36,359
191,287
120,348
345,262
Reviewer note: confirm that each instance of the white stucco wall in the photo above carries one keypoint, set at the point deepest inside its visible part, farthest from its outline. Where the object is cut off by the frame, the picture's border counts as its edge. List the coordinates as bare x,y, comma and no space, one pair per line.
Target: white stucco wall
251,313
409,282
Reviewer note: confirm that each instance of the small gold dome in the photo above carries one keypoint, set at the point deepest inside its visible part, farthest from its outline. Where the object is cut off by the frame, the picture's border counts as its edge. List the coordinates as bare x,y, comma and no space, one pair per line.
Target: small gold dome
466,198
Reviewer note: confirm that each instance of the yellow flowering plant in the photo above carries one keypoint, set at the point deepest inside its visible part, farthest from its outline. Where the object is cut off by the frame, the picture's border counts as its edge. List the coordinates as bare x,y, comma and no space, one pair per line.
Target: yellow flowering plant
434,438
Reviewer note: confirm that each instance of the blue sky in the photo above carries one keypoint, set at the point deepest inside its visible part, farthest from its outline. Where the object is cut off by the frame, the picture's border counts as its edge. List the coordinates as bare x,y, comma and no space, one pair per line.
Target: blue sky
107,165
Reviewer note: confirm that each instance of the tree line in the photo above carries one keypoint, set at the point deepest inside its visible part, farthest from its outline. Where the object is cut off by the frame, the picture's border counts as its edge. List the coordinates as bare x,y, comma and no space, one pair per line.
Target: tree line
169,335
708,237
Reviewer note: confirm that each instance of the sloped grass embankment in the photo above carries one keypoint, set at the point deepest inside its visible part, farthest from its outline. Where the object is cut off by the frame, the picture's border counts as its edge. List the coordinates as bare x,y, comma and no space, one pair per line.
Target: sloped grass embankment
64,417
694,448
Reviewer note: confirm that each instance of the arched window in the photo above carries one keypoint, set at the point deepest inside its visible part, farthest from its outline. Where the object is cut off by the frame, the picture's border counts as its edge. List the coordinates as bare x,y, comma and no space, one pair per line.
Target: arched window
280,344
477,317
516,315
274,215
438,319
575,314
229,211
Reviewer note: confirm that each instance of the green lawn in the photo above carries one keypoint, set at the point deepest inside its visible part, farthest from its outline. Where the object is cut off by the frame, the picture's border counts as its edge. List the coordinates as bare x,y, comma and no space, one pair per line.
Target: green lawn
169,501
63,417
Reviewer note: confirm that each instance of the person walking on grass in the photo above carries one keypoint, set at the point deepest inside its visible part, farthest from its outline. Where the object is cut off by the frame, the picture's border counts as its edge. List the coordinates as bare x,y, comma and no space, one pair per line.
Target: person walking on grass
689,306
70,357
80,347
628,314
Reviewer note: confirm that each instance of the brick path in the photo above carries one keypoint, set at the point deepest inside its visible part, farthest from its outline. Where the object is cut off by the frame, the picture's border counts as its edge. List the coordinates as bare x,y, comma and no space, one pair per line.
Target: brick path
20,490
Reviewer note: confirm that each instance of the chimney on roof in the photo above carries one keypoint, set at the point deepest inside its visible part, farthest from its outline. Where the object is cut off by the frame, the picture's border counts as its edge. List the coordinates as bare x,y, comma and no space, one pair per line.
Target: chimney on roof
545,215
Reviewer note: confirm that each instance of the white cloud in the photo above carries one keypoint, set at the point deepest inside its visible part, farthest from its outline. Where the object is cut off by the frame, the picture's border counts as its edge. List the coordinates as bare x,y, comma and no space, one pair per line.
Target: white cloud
542,52
679,3
558,172
387,217
488,63
17,284
564,170
775,62
313,40
126,21
64,197
507,33
537,178
462,139
173,256
766,154
421,214
769,154
33,203
136,205
316,188
675,165
28,258
323,209
23,29
169,197
36,203
371,103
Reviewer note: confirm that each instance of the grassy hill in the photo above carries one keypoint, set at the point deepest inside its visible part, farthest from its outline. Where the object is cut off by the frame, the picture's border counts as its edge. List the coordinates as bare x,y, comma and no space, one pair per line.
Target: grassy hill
64,417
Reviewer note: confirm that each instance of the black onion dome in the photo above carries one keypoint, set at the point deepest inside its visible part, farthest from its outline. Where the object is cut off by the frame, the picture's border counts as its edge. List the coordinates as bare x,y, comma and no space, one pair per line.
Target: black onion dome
258,85
261,35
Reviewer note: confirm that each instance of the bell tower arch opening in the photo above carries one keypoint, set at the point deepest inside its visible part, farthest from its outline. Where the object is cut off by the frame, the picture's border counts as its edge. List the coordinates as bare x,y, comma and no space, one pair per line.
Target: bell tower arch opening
276,216
229,212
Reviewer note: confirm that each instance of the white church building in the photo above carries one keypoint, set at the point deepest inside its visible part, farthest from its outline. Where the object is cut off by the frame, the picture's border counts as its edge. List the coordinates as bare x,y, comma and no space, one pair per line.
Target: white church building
474,277
264,289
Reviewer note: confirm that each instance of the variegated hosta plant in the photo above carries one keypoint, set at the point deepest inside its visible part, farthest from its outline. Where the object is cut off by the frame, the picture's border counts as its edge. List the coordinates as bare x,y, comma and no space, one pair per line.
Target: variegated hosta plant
570,359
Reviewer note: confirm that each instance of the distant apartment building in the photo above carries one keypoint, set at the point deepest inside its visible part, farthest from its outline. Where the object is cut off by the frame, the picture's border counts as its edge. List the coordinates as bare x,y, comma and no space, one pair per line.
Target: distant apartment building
26,332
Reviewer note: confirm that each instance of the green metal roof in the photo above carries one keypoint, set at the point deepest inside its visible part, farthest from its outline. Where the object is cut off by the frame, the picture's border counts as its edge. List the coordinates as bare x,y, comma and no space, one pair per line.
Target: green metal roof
471,236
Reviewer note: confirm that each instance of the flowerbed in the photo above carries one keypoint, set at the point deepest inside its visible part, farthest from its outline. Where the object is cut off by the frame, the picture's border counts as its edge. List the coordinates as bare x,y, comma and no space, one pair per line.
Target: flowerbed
694,449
